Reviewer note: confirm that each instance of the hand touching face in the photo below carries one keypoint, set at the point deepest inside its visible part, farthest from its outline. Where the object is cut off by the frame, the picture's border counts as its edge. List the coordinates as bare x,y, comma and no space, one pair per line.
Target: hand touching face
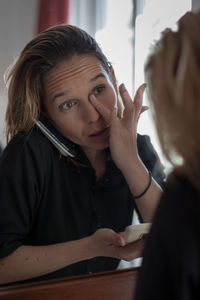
123,132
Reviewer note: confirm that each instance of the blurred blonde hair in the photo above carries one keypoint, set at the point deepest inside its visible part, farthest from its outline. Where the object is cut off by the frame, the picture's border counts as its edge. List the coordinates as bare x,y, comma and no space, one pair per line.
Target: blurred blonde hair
173,78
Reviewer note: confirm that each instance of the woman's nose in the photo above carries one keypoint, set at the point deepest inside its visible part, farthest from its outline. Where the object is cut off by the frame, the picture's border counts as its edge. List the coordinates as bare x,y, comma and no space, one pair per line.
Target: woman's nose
91,115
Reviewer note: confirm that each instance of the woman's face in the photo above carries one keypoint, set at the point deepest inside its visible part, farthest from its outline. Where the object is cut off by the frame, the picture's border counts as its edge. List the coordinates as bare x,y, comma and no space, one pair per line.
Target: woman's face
67,100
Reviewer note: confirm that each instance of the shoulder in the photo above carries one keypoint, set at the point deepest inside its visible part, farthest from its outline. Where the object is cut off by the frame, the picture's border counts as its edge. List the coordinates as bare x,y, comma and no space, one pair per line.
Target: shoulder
172,246
179,206
33,139
179,191
27,146
176,218
178,184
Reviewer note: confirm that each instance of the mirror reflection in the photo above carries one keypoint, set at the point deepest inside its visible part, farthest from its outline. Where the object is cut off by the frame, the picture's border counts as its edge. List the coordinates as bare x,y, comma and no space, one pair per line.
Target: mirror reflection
77,168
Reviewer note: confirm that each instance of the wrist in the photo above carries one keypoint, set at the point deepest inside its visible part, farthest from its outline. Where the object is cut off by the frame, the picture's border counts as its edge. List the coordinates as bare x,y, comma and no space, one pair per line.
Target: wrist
89,247
134,167
145,189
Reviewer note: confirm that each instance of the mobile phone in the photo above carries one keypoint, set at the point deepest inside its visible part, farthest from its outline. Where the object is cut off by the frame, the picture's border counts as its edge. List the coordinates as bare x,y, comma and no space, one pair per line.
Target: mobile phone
46,129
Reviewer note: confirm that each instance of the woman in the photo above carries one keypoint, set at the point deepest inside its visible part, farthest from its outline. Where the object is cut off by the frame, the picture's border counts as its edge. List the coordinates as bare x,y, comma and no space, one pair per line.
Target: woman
68,184
171,263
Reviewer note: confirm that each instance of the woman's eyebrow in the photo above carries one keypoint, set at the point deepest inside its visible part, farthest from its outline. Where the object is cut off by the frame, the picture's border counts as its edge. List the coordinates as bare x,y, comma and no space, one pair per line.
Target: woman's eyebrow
96,77
61,94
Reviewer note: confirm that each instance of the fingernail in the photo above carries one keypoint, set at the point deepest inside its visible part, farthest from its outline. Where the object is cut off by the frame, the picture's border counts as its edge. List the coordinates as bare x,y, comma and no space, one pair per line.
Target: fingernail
122,87
145,108
142,88
92,97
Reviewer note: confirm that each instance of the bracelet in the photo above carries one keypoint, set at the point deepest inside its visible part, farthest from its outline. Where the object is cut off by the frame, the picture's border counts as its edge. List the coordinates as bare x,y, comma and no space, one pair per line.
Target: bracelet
148,186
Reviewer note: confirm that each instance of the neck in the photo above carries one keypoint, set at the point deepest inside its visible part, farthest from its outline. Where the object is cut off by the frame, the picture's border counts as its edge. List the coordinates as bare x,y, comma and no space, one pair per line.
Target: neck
97,160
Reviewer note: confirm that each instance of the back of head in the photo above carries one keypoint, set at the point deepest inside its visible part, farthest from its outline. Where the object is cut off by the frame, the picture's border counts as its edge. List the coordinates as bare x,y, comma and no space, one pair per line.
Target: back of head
40,55
172,73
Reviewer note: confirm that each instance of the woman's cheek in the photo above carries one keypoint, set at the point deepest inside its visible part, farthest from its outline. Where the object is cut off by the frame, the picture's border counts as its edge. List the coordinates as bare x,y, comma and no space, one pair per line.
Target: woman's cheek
109,100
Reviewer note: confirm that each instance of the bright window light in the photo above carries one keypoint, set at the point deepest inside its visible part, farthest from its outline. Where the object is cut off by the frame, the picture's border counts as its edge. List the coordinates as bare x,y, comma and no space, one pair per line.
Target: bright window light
155,16
115,39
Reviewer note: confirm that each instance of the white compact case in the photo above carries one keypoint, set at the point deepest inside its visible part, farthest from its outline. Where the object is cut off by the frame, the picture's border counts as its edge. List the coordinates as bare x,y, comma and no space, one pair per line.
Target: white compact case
133,233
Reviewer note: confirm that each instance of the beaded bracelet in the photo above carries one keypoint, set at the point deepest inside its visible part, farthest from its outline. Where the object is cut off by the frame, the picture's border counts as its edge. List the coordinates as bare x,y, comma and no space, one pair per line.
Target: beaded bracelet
148,186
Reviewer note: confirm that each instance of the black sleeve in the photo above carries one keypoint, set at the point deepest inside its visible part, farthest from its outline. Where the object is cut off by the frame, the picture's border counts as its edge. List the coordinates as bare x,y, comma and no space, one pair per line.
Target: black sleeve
20,187
150,158
152,162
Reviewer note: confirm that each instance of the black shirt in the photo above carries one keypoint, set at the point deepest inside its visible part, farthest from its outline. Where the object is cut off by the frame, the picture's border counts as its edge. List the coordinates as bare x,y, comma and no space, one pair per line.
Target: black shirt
171,263
45,198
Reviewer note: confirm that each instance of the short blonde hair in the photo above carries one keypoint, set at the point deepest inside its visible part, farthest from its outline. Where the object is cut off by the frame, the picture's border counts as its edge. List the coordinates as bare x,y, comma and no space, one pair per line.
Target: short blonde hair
172,74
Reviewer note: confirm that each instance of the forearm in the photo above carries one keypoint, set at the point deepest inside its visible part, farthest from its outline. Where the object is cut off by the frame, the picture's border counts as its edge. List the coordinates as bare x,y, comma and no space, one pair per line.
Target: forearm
32,261
137,177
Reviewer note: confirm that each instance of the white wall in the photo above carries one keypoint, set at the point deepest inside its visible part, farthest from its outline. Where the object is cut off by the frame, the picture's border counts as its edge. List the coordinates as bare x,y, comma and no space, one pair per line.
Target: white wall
18,20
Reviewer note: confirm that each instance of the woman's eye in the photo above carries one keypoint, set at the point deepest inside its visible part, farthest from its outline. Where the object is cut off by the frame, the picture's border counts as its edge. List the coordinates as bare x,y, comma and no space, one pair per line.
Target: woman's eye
67,105
99,89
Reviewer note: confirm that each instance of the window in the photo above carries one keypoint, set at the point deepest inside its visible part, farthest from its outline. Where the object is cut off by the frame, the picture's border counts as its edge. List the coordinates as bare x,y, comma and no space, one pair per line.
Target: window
152,17
115,37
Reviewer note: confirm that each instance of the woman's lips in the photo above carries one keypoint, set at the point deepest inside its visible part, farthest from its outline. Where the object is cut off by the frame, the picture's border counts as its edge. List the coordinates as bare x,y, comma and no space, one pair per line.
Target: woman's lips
100,135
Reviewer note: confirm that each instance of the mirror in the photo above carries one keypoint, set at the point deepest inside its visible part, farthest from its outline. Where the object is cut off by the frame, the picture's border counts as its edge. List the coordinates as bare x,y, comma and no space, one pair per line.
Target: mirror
105,20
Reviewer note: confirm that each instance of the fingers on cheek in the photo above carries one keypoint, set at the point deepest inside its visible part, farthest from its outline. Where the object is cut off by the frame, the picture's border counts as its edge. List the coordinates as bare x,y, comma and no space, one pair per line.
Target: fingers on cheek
109,102
102,104
109,106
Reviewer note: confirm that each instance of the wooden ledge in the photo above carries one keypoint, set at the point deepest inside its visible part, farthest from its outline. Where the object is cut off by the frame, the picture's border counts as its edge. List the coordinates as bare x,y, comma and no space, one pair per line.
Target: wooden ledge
112,285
